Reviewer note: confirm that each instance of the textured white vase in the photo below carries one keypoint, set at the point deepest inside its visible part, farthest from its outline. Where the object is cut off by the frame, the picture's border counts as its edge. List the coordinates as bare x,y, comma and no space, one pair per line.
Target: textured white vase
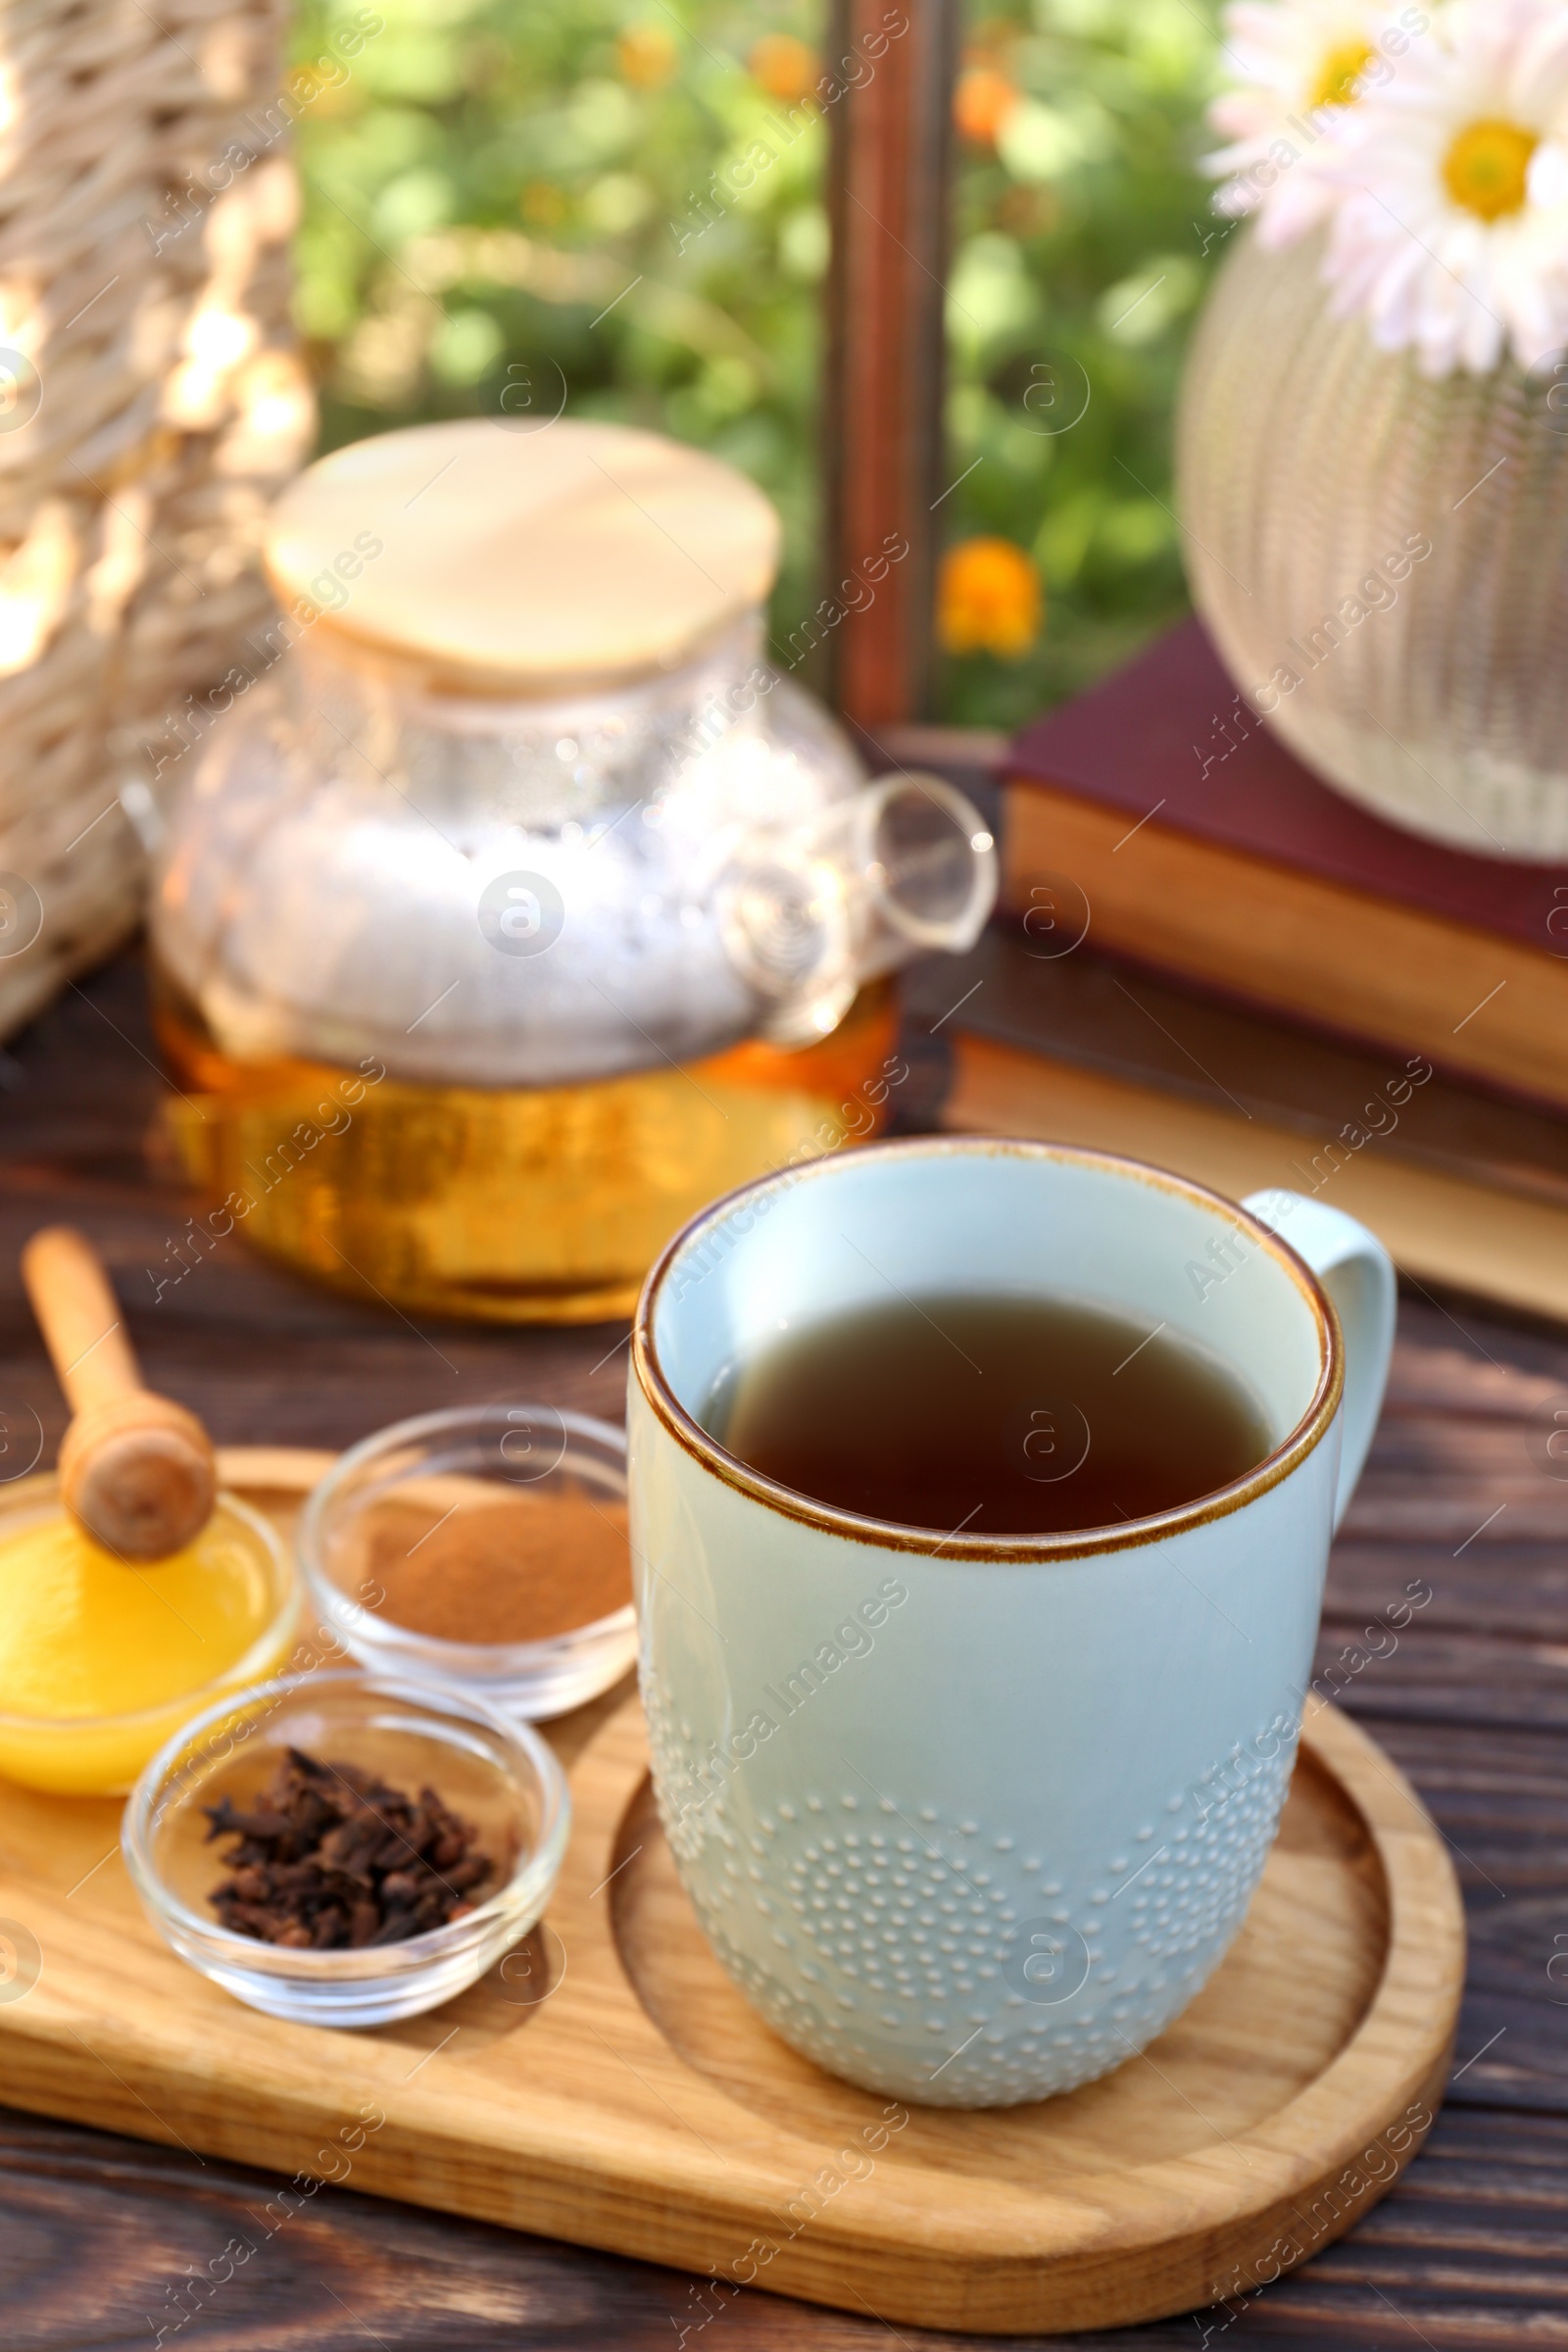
1383,559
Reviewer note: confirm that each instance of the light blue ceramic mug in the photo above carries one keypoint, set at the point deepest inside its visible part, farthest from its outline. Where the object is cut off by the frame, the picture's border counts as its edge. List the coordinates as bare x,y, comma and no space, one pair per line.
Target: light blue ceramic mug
970,1821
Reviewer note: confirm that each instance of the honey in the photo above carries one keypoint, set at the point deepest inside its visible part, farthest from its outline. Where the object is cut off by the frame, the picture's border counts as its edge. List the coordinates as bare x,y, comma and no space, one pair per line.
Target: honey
509,1205
101,1661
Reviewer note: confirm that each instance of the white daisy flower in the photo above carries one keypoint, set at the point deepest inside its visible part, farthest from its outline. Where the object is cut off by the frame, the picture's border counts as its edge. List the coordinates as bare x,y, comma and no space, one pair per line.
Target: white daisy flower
1302,65
1451,234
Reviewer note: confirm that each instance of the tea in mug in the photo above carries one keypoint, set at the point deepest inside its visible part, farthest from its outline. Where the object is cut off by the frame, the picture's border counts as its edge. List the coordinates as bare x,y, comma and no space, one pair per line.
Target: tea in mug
993,1415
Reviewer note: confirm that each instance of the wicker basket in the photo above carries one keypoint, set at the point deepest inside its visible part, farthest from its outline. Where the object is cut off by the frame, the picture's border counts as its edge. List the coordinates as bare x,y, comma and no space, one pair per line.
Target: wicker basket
150,404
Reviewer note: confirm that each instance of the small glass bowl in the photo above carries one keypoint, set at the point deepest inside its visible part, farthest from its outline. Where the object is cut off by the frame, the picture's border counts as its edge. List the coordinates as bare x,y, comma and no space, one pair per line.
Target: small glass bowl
395,1492
100,1755
497,1774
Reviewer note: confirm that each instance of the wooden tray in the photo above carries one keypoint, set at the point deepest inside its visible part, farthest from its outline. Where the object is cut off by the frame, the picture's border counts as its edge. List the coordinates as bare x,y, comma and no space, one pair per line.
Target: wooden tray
608,2085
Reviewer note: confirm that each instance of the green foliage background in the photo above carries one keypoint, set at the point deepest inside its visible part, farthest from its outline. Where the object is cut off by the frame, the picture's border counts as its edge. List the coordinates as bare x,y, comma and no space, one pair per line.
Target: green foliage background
492,200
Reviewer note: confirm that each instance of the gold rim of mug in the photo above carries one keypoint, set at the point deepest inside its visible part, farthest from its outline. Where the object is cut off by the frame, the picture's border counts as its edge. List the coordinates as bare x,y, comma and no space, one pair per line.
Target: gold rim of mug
1074,1544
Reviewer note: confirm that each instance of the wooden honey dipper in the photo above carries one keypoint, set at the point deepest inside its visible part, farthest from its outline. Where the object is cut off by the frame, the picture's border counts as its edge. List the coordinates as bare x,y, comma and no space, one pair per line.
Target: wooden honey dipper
137,1470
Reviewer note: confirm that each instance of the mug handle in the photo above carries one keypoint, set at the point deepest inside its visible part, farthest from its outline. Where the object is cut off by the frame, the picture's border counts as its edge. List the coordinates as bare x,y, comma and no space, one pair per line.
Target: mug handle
1357,1273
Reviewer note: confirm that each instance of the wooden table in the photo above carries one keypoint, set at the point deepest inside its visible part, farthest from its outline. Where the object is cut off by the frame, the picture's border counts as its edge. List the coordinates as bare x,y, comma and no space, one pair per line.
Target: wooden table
97,2233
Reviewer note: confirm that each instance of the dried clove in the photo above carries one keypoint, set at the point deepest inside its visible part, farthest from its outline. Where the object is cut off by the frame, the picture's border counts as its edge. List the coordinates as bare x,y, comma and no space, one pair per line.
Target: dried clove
330,1858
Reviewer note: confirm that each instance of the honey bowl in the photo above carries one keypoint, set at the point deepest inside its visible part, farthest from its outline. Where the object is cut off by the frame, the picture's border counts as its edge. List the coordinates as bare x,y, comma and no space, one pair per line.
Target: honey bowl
101,1660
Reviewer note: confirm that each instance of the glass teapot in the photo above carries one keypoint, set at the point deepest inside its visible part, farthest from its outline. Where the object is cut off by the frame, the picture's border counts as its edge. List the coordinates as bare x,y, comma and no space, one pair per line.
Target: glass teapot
515,905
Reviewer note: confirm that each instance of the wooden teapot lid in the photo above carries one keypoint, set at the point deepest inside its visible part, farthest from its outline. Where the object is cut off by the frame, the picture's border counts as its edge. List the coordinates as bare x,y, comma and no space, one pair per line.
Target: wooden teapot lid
522,563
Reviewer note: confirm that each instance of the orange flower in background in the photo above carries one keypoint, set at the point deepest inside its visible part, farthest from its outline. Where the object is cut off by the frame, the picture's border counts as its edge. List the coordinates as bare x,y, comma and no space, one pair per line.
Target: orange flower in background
647,56
541,204
988,599
982,103
785,67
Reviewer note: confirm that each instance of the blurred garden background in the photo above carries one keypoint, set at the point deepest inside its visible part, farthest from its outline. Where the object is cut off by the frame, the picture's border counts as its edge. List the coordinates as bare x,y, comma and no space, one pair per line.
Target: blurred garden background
512,202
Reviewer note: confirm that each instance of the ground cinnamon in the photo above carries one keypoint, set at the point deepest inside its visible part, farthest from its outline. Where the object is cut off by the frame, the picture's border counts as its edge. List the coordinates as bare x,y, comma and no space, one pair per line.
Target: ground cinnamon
512,1568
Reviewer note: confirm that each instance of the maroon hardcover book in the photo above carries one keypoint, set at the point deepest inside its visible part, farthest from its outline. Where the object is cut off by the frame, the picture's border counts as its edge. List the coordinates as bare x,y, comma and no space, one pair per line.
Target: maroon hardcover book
1170,738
